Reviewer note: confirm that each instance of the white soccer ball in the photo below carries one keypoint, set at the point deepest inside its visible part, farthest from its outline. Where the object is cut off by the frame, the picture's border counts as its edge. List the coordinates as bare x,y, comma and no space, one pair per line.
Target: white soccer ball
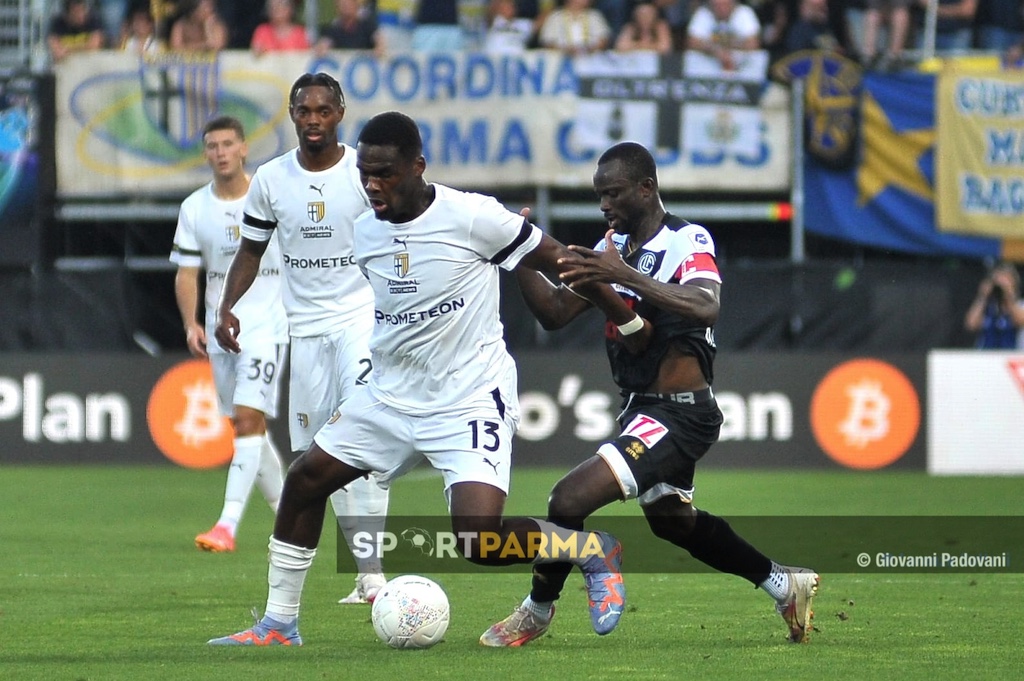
410,612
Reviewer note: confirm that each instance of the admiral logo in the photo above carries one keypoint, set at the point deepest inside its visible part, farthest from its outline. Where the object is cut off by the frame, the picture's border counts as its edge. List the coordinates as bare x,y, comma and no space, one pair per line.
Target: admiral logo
403,286
316,210
401,264
317,231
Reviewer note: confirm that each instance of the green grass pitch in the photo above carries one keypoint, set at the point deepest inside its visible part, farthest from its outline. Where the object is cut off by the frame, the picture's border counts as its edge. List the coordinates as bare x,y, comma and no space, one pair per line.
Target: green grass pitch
99,580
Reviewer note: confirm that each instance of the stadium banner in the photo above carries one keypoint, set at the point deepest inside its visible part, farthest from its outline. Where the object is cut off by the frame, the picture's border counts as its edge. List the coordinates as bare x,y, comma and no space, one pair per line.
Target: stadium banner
975,412
489,121
677,101
781,410
886,200
981,168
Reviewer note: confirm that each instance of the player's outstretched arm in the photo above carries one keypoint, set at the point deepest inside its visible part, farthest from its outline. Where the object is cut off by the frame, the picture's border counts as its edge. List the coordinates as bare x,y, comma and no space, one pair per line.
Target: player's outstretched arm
241,274
555,306
698,299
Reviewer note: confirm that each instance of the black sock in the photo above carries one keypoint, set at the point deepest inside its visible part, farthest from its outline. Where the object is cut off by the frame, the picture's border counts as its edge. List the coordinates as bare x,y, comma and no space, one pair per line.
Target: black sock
548,581
714,543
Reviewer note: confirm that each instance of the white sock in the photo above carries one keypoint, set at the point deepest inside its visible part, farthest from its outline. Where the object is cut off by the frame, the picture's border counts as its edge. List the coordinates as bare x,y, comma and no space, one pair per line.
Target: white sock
241,475
539,610
270,478
561,545
777,584
288,567
362,506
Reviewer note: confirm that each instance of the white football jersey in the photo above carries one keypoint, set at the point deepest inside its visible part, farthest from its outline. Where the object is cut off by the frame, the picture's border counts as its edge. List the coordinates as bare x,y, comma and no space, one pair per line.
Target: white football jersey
207,236
437,337
312,214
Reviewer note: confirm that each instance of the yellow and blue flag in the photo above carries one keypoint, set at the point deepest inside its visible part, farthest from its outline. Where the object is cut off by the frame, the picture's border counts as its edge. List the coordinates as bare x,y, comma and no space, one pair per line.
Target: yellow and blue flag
886,199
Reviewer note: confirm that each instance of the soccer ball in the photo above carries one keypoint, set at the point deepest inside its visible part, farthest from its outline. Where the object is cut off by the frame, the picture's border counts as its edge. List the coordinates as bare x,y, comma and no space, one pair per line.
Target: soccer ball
410,612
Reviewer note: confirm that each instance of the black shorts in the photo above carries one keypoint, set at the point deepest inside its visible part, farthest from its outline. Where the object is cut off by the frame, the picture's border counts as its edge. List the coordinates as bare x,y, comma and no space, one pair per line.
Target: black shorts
662,440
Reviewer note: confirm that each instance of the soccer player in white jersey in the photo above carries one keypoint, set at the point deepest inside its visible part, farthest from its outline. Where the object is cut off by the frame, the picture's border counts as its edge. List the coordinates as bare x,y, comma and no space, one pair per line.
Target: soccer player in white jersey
665,268
443,387
309,197
247,383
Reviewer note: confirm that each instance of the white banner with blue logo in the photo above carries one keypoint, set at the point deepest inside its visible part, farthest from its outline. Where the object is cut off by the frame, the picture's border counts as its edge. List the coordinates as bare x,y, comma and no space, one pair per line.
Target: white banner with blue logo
133,127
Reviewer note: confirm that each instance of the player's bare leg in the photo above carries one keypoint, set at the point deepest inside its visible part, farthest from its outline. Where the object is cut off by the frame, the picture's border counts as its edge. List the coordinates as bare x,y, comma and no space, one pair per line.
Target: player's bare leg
586,488
300,517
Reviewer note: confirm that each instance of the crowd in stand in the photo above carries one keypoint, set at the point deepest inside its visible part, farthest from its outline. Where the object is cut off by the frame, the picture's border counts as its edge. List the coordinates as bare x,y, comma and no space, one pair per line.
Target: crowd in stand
876,32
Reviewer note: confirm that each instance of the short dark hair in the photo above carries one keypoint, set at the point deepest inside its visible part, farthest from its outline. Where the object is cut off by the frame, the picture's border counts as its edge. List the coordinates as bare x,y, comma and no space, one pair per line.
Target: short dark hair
637,161
320,79
393,129
224,123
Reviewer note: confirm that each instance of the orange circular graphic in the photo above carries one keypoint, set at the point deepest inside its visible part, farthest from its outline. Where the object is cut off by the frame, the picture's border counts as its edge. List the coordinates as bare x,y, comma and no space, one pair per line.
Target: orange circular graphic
865,414
184,420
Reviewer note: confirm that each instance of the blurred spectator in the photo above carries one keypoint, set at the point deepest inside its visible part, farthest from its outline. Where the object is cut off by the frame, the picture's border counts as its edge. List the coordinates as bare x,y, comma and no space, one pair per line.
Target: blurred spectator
112,14
576,28
721,27
645,31
353,28
536,11
997,313
813,29
775,17
678,14
280,32
396,19
139,32
75,29
895,15
198,28
1000,24
506,32
437,27
241,20
954,28
616,12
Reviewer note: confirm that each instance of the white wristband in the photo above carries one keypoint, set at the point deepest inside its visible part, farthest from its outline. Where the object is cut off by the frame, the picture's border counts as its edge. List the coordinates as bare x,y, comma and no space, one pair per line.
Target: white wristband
632,326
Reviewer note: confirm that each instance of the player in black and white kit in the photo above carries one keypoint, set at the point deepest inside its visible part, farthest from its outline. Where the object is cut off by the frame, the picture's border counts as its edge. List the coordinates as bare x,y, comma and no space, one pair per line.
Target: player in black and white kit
664,268
443,387
309,197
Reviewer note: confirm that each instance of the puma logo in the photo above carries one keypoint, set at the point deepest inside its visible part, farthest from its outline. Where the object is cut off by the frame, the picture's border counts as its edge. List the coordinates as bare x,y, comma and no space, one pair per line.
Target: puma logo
492,464
396,240
319,190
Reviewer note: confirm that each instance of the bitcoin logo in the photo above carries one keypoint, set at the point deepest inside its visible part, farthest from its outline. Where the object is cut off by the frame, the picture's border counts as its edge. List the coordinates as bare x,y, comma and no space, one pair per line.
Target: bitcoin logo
184,420
865,414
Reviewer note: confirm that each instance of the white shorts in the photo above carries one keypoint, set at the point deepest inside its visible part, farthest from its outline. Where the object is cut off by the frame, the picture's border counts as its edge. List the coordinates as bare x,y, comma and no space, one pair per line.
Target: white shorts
252,378
325,371
471,442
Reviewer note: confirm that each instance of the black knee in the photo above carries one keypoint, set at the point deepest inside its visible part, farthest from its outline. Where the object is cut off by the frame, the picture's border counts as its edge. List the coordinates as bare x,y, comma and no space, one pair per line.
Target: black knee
672,520
566,507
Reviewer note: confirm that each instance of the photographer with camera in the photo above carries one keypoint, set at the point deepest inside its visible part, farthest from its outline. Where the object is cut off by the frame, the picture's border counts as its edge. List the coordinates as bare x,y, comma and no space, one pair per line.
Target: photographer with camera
997,313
